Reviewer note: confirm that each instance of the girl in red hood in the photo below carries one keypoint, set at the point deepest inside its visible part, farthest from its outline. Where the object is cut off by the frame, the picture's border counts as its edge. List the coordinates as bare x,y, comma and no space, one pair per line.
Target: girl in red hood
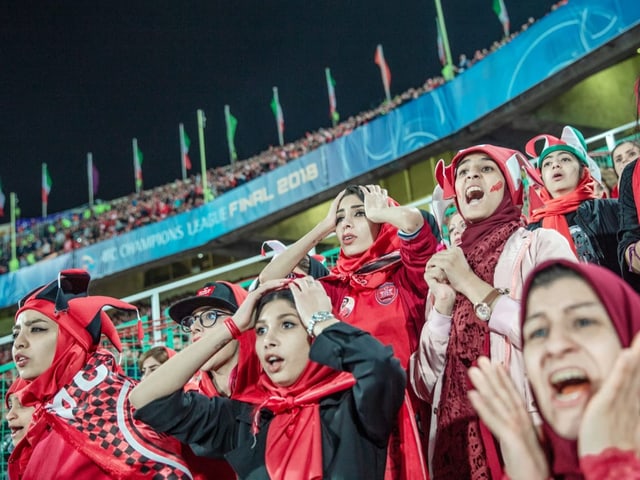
582,357
476,289
567,199
82,425
377,285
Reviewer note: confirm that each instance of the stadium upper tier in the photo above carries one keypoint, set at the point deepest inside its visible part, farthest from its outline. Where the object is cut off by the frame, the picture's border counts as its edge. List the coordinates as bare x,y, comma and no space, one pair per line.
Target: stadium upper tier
539,57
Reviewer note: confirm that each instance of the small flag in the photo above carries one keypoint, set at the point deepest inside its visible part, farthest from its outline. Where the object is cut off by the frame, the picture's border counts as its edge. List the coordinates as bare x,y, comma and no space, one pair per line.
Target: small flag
95,177
2,200
331,83
501,11
441,54
277,112
232,124
185,143
140,331
138,157
384,71
46,183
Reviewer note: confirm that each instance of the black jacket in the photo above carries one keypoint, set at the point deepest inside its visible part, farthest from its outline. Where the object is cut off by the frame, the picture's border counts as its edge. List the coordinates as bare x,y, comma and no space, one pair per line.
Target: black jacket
356,423
629,229
598,219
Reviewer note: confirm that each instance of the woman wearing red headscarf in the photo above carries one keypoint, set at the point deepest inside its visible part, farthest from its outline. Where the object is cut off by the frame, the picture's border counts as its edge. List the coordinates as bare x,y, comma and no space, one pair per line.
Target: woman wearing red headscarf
567,201
476,290
82,426
582,357
622,155
18,416
378,286
323,407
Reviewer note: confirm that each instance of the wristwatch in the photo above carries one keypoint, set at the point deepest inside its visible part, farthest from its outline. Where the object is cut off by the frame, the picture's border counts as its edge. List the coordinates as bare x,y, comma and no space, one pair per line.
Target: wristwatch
317,318
482,309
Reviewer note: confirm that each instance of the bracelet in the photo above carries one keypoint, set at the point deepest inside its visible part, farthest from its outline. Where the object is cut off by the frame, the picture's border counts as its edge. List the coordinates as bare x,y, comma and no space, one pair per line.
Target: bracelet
233,328
318,317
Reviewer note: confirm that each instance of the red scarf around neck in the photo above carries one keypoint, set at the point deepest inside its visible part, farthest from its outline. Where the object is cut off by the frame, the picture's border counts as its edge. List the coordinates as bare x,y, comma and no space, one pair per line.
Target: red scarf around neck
294,439
459,449
554,209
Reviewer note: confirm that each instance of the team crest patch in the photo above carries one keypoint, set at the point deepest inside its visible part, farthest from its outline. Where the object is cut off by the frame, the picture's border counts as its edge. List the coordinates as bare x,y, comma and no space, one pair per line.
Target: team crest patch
386,293
347,307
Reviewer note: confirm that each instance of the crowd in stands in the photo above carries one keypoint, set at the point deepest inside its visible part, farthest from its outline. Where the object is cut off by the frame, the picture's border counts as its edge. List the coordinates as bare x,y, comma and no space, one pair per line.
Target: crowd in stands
39,239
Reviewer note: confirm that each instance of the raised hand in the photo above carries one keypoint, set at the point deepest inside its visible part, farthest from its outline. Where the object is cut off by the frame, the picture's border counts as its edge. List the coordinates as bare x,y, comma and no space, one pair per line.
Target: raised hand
244,317
376,201
500,407
328,223
444,296
454,266
612,416
310,297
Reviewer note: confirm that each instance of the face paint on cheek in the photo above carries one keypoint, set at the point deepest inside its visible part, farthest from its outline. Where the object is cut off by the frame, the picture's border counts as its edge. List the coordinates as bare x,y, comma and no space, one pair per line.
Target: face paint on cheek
497,186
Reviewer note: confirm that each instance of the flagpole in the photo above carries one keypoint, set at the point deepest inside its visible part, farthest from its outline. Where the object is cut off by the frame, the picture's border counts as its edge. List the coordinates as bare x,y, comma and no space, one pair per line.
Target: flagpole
203,160
136,166
90,176
44,199
183,165
14,264
278,117
447,70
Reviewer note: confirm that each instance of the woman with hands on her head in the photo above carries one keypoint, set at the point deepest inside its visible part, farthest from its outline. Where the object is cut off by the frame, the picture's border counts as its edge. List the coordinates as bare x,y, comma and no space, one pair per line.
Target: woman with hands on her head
323,407
582,357
377,285
476,290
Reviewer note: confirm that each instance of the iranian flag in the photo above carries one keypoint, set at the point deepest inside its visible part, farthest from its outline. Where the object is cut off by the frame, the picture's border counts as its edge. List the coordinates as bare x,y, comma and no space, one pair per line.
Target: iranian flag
331,83
137,165
185,143
501,11
46,184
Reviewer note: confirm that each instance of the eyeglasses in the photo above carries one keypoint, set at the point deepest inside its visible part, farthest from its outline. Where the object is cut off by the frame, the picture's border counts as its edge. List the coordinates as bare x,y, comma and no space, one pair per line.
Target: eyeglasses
207,319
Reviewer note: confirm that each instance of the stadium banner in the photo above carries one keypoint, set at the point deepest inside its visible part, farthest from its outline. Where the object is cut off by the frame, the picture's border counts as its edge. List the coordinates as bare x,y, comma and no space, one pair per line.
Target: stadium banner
579,27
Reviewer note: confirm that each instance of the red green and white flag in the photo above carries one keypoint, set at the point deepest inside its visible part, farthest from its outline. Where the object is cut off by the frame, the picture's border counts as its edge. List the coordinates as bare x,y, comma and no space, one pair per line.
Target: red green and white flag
185,143
441,53
2,200
231,123
501,11
384,71
137,165
331,83
277,112
46,184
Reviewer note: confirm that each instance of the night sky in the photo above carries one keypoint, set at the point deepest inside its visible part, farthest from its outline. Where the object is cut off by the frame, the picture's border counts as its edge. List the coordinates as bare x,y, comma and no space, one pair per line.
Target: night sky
80,77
